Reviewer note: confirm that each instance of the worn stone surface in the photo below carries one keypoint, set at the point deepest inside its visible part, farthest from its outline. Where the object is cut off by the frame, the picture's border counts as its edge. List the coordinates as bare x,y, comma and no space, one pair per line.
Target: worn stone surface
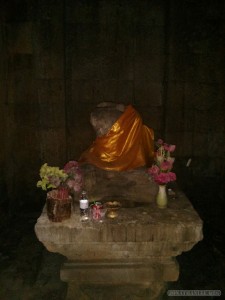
104,116
144,231
137,248
135,292
129,187
29,272
117,272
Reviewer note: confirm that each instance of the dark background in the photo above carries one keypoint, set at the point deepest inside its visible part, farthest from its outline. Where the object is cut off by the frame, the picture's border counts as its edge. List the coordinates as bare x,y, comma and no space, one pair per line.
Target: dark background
60,58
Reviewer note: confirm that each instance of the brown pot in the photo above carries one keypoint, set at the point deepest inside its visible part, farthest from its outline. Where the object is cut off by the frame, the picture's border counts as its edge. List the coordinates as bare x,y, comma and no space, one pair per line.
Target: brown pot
58,209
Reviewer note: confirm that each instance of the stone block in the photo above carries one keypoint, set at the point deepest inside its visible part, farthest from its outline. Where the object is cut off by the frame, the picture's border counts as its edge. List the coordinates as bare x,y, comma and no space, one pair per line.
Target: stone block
131,233
117,272
154,290
136,249
122,186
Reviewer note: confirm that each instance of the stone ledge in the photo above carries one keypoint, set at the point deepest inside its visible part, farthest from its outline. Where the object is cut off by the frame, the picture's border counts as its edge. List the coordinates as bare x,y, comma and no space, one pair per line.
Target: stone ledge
97,251
140,272
177,224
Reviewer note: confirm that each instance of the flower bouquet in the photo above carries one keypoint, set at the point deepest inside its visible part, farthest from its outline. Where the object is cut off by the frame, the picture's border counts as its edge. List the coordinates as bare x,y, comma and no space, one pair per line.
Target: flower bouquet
64,183
160,171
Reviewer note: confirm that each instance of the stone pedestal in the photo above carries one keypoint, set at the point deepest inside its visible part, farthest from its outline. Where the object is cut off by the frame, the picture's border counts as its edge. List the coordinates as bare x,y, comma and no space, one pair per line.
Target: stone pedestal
128,187
137,249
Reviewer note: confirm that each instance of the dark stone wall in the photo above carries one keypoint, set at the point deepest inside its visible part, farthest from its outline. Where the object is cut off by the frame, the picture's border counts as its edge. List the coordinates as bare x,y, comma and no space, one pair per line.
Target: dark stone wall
58,59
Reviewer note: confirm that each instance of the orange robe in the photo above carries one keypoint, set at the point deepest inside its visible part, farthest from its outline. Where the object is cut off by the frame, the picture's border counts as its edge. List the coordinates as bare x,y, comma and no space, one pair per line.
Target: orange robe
127,145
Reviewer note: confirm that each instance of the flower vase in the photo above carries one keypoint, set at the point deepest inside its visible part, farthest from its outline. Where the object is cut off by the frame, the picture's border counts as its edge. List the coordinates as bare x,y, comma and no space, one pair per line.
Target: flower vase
161,197
58,209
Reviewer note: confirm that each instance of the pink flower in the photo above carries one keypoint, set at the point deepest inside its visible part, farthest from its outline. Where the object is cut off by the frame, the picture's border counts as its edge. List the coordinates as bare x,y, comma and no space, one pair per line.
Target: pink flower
165,165
75,178
162,178
172,148
161,170
169,148
74,185
172,176
154,170
71,167
166,146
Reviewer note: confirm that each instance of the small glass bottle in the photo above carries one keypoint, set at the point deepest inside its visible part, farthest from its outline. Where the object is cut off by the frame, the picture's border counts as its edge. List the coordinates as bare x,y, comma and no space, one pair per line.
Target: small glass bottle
84,207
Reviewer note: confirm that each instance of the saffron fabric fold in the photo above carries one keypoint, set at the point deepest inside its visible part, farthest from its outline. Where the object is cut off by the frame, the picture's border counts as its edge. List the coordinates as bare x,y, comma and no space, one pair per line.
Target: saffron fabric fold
128,144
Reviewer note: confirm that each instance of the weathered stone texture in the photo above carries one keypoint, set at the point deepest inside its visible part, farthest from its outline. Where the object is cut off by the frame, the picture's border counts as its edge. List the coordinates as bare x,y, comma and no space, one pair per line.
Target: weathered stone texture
129,187
136,248
104,116
140,229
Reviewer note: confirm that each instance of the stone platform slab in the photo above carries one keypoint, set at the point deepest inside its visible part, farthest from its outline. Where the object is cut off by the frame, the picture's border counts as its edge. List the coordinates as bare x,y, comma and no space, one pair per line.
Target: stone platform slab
137,248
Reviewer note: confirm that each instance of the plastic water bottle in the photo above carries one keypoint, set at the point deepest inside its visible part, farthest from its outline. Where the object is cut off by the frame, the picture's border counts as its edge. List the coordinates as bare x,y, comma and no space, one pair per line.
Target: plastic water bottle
84,207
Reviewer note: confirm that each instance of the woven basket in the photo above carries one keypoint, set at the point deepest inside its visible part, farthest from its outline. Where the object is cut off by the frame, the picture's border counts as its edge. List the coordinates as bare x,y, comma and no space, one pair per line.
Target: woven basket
58,209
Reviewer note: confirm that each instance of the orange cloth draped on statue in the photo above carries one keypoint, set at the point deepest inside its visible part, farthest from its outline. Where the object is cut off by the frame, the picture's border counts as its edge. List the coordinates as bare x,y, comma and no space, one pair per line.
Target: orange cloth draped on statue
127,145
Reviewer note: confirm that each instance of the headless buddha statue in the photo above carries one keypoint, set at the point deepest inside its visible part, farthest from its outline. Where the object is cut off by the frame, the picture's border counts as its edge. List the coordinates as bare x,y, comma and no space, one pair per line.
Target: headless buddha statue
114,166
123,142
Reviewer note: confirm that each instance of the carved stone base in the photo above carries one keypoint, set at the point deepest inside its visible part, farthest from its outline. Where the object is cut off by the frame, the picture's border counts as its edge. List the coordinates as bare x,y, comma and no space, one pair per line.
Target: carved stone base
143,279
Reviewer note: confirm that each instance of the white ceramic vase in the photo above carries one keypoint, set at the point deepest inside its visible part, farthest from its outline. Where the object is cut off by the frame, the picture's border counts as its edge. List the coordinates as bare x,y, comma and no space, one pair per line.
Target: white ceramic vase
161,198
